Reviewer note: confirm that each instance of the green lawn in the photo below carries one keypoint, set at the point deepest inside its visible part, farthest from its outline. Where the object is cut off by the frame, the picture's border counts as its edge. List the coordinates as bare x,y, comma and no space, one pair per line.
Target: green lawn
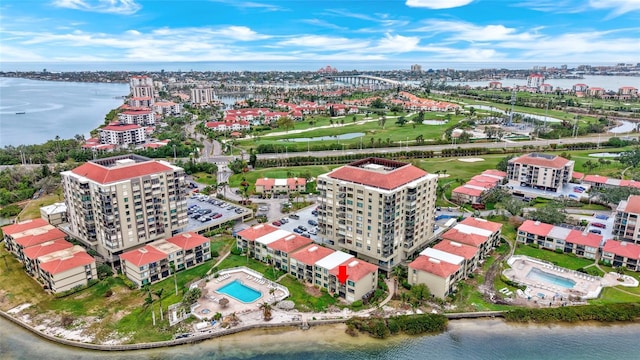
278,173
239,260
204,178
563,260
615,295
305,301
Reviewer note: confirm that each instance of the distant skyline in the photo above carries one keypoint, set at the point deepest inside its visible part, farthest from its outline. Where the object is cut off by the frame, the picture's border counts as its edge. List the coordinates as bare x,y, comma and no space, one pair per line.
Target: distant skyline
491,31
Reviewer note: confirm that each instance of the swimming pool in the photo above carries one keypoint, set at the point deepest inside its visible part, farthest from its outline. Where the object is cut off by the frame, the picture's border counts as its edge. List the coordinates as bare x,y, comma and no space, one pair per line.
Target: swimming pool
539,275
241,292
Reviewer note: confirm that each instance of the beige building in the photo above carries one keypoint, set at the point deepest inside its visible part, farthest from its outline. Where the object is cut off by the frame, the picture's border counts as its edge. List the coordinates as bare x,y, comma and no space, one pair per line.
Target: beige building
381,210
122,202
438,275
22,235
202,96
66,269
622,254
280,186
157,260
120,134
479,233
626,226
141,87
540,171
55,214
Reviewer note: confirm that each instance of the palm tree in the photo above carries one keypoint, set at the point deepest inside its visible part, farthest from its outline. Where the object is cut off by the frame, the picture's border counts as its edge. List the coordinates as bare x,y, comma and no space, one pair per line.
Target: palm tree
266,311
175,279
158,293
270,262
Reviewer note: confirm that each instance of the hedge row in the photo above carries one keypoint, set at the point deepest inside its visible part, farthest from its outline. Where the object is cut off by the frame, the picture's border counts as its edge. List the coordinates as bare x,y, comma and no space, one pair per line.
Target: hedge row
604,313
381,328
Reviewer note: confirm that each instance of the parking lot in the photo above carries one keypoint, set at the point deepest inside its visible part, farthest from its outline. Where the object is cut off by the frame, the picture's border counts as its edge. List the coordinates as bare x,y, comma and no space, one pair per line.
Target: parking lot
304,216
216,212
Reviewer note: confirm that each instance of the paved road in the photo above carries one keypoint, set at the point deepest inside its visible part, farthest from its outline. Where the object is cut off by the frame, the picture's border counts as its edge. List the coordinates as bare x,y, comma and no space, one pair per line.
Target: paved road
493,145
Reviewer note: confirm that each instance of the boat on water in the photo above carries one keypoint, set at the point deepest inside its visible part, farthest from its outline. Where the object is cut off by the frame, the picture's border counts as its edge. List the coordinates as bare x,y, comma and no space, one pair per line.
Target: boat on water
21,112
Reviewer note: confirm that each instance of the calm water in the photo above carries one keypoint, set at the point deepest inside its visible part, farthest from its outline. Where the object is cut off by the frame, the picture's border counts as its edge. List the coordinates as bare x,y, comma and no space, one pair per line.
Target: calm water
53,108
612,83
484,339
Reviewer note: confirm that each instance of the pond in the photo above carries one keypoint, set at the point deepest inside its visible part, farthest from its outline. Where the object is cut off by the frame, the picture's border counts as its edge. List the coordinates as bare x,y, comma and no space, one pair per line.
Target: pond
526,115
625,127
434,122
347,136
605,154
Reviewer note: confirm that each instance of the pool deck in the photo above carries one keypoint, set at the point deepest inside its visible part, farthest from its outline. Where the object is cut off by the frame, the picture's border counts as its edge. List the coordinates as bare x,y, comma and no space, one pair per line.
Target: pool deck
586,286
209,302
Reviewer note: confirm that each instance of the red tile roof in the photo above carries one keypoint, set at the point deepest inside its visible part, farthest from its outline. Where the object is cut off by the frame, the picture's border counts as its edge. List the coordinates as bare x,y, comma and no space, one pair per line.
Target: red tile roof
311,254
535,227
105,175
38,236
556,162
121,127
580,238
596,179
633,204
456,248
622,248
468,191
143,256
24,225
439,268
356,269
577,175
65,263
290,243
482,224
465,238
385,180
254,232
188,240
45,248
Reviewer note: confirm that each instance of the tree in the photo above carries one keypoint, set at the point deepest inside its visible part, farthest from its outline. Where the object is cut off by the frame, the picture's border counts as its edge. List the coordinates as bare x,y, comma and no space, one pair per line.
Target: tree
285,122
630,158
513,206
158,293
401,121
172,267
382,121
191,297
502,164
551,213
266,311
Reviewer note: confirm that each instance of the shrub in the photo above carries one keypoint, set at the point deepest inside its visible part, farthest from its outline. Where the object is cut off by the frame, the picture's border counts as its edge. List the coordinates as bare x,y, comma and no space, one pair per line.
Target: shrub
236,251
215,253
356,305
128,283
108,293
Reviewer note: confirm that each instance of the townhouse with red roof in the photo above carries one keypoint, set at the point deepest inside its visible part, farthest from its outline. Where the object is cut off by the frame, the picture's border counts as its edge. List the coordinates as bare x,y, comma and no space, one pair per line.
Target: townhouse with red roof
479,186
601,182
167,108
480,233
438,275
66,269
32,253
158,260
228,126
22,235
137,116
309,262
553,237
270,186
469,253
627,93
622,254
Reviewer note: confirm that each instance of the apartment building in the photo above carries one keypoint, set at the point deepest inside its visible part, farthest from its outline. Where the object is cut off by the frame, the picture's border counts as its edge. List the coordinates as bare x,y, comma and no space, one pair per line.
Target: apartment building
159,259
202,96
380,210
553,237
540,171
309,262
22,235
122,202
269,186
622,253
626,226
122,135
141,87
167,108
469,253
142,117
32,253
66,269
439,276
55,214
479,233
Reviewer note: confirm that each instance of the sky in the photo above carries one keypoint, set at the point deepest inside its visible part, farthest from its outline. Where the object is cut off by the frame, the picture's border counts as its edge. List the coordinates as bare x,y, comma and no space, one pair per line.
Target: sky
550,31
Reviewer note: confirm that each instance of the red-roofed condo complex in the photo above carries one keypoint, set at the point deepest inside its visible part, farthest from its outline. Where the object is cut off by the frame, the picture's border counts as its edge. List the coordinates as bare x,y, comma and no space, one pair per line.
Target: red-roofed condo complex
121,202
540,171
380,209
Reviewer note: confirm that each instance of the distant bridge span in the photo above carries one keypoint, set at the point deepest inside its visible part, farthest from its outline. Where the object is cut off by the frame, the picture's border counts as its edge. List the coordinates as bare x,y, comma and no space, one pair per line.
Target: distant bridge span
364,80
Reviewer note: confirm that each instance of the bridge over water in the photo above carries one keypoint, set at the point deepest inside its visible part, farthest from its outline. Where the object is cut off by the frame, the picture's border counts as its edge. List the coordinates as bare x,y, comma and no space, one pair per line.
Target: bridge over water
366,80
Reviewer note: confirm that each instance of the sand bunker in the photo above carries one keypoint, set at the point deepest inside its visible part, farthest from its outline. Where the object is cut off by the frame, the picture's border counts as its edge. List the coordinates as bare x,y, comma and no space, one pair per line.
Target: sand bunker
470,159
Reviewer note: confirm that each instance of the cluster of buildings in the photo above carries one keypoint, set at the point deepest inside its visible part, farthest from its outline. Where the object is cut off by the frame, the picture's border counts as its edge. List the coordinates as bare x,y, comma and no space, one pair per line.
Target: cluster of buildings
536,84
546,172
137,118
412,102
48,257
455,256
473,191
308,262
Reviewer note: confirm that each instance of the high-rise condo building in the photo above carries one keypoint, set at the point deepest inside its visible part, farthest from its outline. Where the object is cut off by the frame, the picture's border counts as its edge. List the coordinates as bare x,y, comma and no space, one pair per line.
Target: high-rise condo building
379,210
121,202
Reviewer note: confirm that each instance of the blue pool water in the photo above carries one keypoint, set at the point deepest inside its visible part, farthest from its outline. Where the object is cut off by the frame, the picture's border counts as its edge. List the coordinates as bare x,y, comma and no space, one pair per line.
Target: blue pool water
240,292
539,275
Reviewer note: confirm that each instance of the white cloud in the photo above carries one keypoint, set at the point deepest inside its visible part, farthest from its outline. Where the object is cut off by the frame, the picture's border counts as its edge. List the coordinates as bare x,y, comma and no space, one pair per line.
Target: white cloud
463,31
325,43
122,7
242,33
323,23
18,54
618,7
438,4
250,5
397,44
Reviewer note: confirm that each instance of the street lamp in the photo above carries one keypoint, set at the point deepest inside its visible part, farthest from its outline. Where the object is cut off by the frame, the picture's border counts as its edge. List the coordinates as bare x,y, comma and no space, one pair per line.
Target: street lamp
174,152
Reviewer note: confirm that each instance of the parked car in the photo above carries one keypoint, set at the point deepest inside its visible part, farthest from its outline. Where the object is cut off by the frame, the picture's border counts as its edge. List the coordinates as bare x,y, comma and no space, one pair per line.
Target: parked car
297,231
217,216
294,216
204,219
284,220
276,223
314,212
302,227
205,211
601,217
306,234
595,231
599,225
312,222
313,232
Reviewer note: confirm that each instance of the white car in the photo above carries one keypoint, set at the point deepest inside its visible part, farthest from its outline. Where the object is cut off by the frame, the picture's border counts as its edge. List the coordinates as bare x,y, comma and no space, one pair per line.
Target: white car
313,232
